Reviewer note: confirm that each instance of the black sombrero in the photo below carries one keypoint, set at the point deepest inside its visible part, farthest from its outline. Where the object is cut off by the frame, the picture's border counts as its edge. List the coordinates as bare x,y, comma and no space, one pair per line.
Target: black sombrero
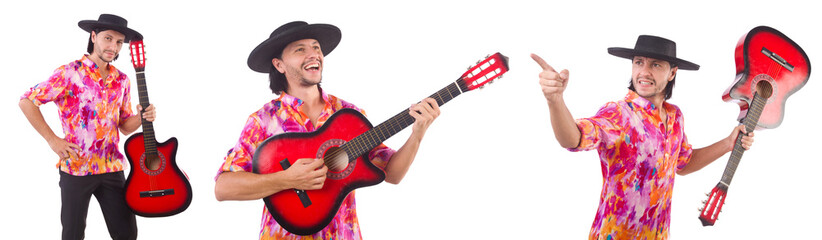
327,35
654,47
112,22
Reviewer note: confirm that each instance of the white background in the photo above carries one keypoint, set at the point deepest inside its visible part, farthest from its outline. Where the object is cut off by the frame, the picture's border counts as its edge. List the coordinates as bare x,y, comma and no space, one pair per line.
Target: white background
489,167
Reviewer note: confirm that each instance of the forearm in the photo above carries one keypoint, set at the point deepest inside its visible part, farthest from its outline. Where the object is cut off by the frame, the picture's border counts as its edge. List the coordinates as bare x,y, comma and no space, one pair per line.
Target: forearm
131,124
248,186
35,118
401,161
701,157
563,124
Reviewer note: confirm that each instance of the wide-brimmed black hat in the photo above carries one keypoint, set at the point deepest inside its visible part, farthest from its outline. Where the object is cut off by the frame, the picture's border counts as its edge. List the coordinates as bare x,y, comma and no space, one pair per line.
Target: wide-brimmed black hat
112,22
327,35
654,47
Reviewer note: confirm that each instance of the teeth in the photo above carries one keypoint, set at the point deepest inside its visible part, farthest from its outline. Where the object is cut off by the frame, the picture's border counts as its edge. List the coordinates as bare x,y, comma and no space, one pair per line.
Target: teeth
313,65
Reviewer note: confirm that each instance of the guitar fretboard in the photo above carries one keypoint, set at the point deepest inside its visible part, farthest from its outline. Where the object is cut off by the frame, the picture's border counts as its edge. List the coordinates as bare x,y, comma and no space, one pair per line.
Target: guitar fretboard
371,138
148,129
750,121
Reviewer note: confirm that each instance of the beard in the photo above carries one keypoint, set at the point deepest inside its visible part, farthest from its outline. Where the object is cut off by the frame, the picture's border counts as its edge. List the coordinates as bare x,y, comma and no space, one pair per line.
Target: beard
303,81
101,54
645,94
310,82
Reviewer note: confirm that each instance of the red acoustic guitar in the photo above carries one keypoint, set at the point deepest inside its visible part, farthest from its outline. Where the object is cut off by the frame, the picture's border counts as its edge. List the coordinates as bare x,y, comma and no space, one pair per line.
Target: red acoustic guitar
770,67
343,143
155,187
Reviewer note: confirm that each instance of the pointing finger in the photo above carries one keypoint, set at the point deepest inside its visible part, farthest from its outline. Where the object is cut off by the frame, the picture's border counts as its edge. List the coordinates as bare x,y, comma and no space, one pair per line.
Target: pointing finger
544,65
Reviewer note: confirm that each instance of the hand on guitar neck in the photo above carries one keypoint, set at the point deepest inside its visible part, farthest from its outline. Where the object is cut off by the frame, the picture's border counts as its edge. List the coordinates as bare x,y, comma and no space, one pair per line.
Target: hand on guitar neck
770,67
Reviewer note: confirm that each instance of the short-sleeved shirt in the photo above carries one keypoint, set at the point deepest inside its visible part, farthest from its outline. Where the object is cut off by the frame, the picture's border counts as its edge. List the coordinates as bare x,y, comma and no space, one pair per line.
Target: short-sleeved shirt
639,158
285,114
91,109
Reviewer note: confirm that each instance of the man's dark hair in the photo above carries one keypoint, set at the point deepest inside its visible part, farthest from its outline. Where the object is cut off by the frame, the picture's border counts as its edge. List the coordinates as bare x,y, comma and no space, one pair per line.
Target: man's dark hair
276,81
669,89
90,47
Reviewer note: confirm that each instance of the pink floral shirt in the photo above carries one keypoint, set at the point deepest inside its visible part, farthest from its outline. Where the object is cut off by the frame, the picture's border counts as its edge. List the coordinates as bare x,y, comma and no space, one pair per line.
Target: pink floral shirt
285,114
639,158
91,109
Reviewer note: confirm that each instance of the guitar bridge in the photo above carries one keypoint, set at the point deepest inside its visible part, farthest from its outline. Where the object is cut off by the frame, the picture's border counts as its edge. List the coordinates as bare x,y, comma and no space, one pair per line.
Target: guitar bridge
777,59
157,193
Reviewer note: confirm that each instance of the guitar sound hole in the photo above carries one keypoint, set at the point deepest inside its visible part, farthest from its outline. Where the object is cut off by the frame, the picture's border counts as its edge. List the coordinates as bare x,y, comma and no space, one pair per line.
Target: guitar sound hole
336,159
152,162
764,89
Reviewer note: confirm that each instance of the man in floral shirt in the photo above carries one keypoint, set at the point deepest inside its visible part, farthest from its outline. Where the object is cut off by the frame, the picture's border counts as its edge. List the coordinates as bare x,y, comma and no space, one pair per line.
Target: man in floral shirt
641,141
93,101
294,57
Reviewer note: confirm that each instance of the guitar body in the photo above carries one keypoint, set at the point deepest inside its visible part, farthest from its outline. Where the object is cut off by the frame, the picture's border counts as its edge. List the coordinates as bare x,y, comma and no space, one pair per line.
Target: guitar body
158,193
753,66
770,67
285,206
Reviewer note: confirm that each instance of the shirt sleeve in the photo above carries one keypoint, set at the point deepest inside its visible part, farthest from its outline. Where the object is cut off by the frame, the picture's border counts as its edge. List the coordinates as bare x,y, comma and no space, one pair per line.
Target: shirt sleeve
685,148
51,90
239,158
594,130
125,108
380,155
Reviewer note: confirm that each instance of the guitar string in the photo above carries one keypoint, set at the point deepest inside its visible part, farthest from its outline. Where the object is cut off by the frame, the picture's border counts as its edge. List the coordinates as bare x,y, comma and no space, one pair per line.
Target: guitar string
368,135
757,104
393,122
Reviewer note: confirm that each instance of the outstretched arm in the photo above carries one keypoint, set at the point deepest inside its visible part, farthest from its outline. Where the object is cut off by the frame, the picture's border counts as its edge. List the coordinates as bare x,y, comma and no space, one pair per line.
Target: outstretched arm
703,156
553,84
424,114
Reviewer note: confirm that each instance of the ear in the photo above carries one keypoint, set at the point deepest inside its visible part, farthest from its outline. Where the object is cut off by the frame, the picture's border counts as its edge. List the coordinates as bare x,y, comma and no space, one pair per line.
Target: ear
93,37
278,64
673,73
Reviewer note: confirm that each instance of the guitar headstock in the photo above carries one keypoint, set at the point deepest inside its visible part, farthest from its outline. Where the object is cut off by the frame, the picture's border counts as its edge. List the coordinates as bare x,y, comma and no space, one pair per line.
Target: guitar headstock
138,54
713,206
485,71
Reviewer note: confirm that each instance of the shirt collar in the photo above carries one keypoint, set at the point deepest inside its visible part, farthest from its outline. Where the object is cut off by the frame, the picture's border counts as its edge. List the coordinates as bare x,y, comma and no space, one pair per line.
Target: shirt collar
295,102
93,66
633,99
639,101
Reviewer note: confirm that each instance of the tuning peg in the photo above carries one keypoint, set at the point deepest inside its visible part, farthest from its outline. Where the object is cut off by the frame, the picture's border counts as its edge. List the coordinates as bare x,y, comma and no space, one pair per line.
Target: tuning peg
707,194
701,209
704,201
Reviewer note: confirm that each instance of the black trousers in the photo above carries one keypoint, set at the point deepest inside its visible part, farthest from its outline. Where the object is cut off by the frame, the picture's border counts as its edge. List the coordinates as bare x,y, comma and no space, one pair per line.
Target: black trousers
109,190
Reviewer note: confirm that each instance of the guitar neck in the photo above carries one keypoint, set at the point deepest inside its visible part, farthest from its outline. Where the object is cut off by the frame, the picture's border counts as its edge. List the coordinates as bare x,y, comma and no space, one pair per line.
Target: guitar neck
371,138
750,121
148,129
